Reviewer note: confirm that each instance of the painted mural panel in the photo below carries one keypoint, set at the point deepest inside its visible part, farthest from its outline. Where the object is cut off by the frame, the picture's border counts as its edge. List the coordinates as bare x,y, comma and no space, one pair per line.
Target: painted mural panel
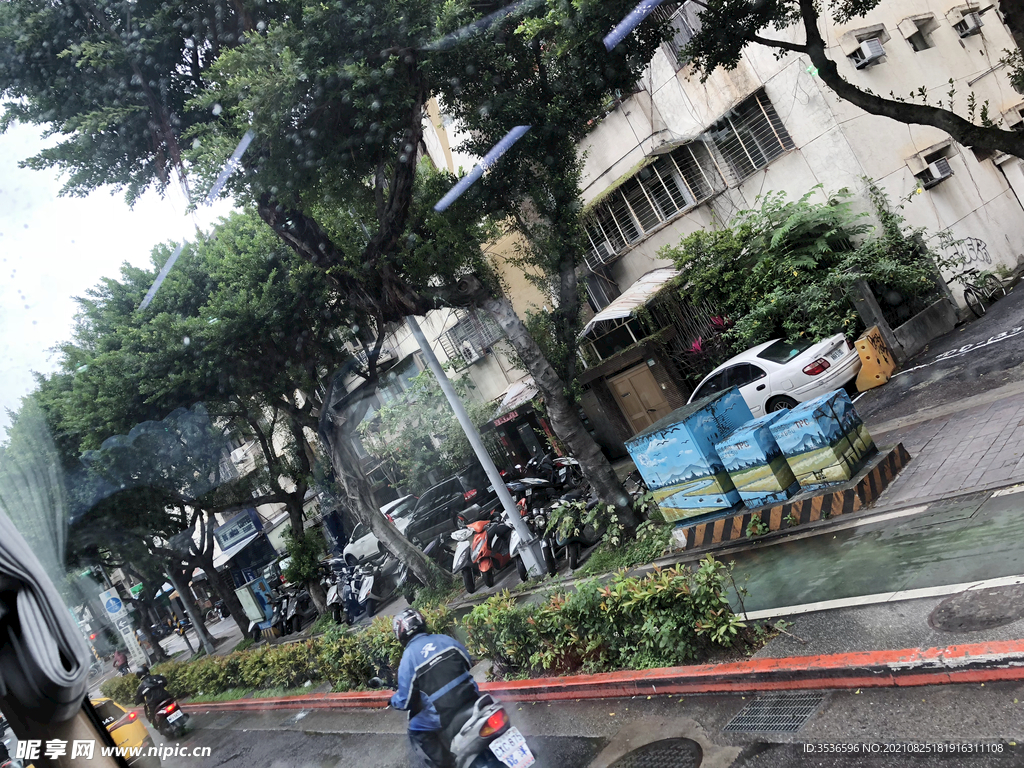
756,464
677,457
824,440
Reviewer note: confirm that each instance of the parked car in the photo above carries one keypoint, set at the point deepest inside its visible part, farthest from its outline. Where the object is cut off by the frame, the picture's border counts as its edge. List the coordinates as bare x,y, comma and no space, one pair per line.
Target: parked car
363,544
127,729
437,511
779,374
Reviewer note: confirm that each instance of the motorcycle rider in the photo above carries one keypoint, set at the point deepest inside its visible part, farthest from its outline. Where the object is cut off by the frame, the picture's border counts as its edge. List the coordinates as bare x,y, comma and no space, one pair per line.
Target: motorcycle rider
121,661
434,684
152,690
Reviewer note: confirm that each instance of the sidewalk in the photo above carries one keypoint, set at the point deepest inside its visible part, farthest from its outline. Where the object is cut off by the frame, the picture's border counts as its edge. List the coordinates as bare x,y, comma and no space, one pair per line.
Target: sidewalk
975,445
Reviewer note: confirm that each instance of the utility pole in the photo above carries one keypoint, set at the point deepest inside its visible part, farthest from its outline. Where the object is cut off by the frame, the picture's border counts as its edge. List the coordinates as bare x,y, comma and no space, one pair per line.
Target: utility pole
530,547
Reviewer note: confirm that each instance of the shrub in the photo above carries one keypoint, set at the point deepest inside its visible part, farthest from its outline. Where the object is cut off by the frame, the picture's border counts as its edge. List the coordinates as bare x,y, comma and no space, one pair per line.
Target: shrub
120,689
668,617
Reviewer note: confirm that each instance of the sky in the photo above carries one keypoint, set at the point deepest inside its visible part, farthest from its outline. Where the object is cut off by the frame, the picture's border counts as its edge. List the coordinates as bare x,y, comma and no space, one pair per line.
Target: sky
54,248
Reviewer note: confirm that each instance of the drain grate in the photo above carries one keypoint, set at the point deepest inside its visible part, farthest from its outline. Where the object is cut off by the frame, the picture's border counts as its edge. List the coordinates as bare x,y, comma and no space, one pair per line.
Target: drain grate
666,753
777,712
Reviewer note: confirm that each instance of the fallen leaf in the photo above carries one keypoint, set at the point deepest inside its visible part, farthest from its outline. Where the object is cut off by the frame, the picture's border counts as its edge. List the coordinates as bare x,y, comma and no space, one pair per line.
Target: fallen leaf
611,714
857,691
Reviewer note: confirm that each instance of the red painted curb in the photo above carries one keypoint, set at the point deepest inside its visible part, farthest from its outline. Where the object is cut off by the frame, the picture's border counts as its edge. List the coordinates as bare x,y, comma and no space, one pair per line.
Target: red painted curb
972,663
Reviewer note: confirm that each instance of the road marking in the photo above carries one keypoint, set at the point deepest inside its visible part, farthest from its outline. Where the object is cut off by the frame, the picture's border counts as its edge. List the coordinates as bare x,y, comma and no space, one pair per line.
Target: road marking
966,349
1009,491
883,597
883,517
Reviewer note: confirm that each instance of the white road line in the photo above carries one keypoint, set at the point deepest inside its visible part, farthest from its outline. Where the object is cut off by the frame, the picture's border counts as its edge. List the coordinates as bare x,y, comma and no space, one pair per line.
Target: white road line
883,517
967,349
1009,491
883,597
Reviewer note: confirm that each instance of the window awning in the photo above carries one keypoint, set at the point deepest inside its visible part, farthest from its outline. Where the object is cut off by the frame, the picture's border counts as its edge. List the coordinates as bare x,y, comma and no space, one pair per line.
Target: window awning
635,296
227,554
517,394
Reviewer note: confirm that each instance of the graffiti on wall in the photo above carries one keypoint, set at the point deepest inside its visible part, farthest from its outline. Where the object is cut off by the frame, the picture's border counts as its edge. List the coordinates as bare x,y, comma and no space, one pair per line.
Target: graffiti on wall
972,251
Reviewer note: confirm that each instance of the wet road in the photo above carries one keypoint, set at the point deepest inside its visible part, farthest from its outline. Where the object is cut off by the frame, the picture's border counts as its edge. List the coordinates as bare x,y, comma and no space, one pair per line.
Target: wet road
974,358
950,542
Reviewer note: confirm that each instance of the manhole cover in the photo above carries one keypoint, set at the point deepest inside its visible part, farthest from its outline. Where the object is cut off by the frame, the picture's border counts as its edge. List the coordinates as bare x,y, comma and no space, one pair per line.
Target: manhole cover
667,753
979,609
777,712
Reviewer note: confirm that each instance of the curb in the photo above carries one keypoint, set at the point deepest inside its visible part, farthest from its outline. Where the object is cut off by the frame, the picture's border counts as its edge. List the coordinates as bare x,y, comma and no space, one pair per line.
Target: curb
972,663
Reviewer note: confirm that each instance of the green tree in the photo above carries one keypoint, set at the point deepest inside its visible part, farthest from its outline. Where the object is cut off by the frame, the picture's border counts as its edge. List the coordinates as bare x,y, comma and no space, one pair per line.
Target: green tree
417,431
729,26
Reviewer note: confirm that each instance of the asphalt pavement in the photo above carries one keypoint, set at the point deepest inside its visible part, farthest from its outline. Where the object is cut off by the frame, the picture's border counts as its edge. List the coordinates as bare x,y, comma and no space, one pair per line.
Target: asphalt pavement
886,727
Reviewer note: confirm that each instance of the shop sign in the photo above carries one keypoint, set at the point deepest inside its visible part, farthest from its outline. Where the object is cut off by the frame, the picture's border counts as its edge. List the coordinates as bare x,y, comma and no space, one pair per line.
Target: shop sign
506,418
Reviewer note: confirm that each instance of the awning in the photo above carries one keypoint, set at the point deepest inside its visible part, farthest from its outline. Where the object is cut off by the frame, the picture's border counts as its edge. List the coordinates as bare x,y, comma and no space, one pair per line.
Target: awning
163,590
635,296
517,394
227,554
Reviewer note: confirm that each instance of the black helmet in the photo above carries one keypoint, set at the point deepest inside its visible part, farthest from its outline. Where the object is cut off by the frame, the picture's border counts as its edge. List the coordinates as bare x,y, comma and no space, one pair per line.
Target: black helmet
143,672
408,624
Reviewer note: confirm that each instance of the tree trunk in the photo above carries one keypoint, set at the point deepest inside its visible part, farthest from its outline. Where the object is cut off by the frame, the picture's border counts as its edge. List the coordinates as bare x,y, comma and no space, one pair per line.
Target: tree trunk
359,497
180,582
226,592
562,413
1013,16
295,518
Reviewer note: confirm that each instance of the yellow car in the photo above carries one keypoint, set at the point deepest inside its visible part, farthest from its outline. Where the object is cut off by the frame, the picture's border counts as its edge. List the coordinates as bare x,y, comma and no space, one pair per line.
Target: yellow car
128,730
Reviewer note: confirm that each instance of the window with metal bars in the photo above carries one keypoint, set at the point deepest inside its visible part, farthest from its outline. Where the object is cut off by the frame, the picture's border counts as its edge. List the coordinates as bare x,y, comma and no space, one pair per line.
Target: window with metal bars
685,22
737,145
470,339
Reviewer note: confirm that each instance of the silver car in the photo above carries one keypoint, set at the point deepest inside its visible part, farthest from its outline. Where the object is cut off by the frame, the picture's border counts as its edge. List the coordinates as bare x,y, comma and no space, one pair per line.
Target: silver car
363,544
779,374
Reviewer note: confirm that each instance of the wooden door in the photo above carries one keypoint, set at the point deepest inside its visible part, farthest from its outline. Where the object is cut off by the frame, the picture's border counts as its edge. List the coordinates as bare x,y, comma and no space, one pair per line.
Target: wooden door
639,396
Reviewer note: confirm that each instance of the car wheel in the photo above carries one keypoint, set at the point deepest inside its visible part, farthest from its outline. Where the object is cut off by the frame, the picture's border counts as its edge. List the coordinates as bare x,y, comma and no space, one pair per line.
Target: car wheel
489,577
524,574
468,580
351,559
780,403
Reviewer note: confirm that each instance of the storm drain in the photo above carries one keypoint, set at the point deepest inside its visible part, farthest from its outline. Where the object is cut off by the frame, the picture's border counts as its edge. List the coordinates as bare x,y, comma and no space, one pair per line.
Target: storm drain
667,753
777,712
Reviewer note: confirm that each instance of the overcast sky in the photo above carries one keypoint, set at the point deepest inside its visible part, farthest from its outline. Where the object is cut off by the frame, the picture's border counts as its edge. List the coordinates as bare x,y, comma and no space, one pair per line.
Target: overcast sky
55,248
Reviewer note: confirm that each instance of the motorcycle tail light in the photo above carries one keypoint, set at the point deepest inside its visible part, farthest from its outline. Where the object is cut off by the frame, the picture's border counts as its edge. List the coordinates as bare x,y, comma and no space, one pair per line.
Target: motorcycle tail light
495,723
470,494
818,366
169,709
849,344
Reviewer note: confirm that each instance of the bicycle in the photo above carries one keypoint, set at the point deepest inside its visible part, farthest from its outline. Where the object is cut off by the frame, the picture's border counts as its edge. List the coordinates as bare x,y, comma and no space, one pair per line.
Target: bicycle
980,288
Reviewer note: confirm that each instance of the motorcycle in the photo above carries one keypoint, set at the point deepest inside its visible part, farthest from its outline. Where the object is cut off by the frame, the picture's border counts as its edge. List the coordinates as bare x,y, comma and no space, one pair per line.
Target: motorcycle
379,581
170,720
574,537
336,575
537,521
183,626
561,471
484,544
218,612
482,736
300,610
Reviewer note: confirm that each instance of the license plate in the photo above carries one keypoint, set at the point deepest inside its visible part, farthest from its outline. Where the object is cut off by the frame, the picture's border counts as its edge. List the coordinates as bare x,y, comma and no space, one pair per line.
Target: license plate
511,749
490,488
529,491
836,354
174,716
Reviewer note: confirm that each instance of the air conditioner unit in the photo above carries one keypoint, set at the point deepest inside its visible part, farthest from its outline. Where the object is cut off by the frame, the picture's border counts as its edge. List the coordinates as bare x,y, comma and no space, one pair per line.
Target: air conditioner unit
970,24
469,353
935,173
869,53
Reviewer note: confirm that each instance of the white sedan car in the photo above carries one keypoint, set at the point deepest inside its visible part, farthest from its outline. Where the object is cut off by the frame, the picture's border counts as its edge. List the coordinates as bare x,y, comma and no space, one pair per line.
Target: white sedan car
362,544
779,374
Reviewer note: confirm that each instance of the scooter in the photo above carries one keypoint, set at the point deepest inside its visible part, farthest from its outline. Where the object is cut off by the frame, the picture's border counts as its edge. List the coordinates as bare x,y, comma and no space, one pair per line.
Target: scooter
380,581
537,522
301,610
579,535
489,550
336,579
487,738
170,720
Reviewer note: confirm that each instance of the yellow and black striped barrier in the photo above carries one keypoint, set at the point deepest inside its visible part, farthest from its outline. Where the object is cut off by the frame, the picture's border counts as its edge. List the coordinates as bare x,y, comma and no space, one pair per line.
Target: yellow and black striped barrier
844,499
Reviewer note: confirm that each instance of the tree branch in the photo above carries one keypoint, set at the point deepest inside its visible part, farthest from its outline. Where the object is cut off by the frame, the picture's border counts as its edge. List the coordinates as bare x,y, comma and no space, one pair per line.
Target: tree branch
783,44
964,131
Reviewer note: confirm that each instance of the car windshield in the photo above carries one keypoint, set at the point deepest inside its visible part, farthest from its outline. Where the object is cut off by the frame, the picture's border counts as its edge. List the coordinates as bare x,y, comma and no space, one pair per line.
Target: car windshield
270,266
782,351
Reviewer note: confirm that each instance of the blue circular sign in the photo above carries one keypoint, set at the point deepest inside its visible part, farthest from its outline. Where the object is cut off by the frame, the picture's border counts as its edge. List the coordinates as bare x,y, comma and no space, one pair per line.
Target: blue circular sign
113,605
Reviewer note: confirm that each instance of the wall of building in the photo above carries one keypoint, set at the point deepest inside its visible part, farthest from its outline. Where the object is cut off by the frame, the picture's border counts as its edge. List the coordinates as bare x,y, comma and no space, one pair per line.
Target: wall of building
837,144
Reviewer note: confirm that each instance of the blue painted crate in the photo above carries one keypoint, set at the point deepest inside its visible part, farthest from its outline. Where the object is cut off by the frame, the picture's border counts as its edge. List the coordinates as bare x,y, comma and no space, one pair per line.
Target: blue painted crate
824,440
756,464
677,458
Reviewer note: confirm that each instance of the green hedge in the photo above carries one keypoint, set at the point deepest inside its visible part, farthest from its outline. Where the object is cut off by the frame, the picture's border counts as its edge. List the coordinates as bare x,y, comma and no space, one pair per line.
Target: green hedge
345,660
672,616
669,617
